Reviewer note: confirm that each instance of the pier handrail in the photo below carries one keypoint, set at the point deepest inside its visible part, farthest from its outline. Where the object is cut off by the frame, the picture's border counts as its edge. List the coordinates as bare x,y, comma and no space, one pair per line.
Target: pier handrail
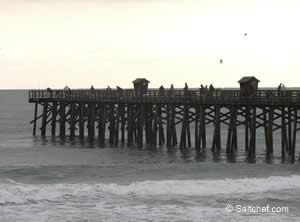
194,95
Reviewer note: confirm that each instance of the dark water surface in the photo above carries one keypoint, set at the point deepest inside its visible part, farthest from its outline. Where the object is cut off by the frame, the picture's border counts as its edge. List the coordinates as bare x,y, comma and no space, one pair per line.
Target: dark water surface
54,179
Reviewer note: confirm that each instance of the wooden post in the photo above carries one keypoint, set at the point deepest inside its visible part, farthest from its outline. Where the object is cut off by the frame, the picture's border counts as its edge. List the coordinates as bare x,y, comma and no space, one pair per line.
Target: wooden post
99,119
197,136
202,126
129,124
62,122
155,124
91,121
290,131
35,118
103,124
173,125
44,119
81,120
122,113
251,150
53,121
265,125
168,127
148,125
188,128
230,129
117,124
247,118
111,126
184,128
72,120
161,134
295,118
234,143
217,134
284,143
140,125
270,131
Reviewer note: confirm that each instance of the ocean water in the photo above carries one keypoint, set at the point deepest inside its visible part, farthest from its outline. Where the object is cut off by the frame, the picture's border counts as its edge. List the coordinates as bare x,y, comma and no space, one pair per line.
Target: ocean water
51,179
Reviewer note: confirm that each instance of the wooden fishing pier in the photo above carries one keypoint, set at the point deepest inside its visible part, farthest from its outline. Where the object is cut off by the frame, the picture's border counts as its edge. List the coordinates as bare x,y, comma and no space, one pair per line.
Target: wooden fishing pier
168,116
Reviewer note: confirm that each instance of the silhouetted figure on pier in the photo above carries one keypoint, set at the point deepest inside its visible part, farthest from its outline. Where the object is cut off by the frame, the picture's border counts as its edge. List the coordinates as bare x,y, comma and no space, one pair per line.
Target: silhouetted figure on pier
50,91
203,90
120,91
67,91
279,89
211,89
92,90
161,90
185,89
171,92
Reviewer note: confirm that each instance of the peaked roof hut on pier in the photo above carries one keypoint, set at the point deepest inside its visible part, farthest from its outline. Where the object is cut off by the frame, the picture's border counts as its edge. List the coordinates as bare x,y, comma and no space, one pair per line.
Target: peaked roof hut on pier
248,85
248,79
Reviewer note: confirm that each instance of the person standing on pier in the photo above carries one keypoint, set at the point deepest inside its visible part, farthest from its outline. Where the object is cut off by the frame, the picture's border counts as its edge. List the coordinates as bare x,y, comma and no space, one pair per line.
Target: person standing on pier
186,88
171,93
161,90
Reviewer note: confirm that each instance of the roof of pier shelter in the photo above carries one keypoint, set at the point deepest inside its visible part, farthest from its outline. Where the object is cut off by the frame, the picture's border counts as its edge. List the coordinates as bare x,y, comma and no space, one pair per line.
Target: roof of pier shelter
138,80
247,79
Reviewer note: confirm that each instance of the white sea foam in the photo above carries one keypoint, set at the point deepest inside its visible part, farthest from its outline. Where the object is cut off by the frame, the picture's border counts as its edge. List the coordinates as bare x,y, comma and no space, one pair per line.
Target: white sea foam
205,187
169,200
22,193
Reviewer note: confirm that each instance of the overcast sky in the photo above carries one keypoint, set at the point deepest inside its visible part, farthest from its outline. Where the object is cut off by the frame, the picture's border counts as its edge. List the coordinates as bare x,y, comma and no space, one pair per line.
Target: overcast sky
53,43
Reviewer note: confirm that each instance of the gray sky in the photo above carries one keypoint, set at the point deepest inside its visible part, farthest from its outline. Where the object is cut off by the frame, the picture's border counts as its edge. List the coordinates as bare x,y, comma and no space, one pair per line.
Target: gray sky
80,43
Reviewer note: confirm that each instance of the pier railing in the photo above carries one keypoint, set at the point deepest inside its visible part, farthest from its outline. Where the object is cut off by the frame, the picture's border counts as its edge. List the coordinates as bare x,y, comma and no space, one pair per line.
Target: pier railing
201,96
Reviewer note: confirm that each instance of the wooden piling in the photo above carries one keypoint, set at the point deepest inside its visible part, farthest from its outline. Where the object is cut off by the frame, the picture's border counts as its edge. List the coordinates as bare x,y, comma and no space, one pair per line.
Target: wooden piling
130,124
140,128
247,117
251,150
62,121
44,119
184,128
72,120
35,118
111,119
173,125
81,120
123,122
231,145
216,144
103,124
295,119
284,143
270,132
202,127
155,125
197,136
53,119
